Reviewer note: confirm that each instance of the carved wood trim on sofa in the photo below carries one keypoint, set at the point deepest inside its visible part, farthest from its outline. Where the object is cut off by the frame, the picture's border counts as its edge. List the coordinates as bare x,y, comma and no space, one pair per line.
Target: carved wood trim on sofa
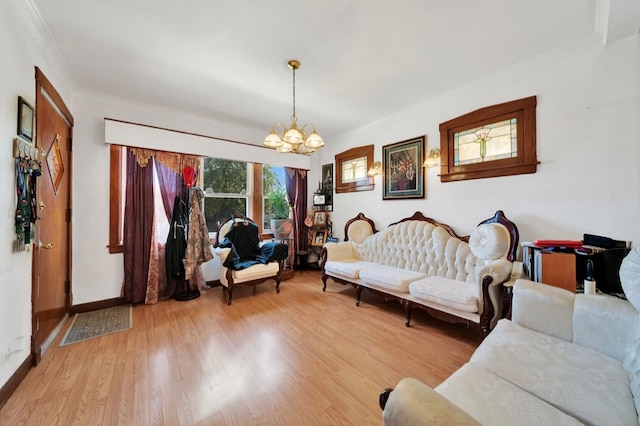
488,311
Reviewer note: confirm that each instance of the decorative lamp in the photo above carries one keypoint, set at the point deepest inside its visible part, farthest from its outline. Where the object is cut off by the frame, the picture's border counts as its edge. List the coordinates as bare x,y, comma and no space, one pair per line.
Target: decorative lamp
376,169
433,159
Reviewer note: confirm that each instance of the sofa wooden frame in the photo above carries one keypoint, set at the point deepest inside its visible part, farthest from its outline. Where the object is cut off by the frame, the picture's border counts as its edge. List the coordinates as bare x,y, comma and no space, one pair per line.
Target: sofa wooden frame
484,326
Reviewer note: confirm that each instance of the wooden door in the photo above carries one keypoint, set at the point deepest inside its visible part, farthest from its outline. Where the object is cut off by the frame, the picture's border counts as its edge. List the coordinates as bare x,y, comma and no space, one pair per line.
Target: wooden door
52,244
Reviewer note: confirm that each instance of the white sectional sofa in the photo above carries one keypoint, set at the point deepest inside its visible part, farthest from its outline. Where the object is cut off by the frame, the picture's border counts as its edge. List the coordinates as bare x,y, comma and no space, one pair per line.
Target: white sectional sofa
423,264
563,359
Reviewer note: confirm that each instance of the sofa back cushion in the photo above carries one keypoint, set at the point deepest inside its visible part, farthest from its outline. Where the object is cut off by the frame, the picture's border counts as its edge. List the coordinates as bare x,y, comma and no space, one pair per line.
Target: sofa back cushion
605,323
359,230
630,277
422,247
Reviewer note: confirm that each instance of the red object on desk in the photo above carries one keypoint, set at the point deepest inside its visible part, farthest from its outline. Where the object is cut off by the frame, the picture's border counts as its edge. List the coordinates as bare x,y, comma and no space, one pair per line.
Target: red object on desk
558,243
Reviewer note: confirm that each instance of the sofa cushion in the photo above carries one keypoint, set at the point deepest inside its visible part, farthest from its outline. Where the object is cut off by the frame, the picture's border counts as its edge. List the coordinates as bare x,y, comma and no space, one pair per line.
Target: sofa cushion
459,295
256,271
605,323
389,277
347,268
490,241
582,382
632,365
494,401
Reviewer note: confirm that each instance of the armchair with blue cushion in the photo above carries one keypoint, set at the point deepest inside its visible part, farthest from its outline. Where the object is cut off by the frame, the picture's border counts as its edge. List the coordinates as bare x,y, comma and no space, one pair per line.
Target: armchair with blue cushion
244,259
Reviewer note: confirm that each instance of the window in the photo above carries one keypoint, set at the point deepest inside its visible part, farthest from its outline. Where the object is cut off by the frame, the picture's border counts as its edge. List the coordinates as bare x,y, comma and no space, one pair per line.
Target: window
351,169
229,186
227,190
499,140
272,181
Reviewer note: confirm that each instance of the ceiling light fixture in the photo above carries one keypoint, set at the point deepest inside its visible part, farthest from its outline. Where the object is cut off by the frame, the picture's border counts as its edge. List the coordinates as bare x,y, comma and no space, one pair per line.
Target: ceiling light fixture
294,139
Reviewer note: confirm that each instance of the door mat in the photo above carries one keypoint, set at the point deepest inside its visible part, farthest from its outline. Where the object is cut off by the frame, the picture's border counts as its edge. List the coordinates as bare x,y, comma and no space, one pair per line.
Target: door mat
88,325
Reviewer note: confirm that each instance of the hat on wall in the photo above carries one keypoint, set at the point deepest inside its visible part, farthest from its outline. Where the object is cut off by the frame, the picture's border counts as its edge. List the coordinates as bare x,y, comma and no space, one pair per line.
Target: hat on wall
189,176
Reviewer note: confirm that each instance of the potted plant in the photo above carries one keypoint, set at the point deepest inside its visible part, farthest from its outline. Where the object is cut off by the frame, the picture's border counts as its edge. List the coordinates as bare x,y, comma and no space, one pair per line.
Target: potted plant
281,224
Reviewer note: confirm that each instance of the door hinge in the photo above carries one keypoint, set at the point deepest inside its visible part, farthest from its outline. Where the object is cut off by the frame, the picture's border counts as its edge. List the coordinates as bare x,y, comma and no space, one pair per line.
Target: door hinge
68,216
67,286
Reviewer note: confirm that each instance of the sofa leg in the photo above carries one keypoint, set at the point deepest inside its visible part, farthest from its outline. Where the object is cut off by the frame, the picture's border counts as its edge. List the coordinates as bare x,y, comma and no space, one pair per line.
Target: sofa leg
277,286
324,282
358,295
407,313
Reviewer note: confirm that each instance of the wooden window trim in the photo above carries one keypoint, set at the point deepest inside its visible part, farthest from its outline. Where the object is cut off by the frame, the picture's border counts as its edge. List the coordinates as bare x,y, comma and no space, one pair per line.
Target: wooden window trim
116,189
525,162
363,185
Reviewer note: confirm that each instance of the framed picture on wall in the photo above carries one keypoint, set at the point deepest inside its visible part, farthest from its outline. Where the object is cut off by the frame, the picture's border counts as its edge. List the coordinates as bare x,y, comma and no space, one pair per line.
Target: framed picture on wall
403,171
25,119
327,183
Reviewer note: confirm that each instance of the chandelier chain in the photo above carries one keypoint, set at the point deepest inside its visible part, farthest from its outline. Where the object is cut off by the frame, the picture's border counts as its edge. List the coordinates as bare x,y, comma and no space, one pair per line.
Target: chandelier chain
293,117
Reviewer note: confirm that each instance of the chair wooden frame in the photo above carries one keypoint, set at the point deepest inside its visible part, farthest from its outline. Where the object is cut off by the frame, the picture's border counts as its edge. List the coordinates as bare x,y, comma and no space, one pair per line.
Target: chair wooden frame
229,273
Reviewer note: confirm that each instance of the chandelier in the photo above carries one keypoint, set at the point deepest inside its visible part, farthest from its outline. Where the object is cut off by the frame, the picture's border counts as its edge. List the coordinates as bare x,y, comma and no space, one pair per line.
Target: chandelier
293,139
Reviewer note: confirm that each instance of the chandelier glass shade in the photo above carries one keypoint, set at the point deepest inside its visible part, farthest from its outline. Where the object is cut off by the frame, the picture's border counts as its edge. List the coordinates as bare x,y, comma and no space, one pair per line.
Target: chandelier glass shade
292,138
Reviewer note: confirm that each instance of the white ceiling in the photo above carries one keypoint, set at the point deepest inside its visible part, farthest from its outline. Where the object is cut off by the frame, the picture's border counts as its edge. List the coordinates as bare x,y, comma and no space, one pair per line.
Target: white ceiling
361,60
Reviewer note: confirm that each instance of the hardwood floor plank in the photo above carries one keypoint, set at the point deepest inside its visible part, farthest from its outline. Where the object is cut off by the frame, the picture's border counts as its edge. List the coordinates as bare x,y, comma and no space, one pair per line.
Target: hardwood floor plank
302,356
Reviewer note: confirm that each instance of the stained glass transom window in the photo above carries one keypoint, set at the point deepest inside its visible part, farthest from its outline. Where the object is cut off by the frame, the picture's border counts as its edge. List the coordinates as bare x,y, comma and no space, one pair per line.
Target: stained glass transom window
354,170
490,142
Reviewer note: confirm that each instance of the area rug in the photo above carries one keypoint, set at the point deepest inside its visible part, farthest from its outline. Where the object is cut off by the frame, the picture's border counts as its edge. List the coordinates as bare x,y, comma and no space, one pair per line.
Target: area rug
88,325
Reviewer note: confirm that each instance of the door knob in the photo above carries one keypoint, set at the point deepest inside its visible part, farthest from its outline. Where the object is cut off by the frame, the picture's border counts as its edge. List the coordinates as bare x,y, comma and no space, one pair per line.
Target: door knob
47,246
42,206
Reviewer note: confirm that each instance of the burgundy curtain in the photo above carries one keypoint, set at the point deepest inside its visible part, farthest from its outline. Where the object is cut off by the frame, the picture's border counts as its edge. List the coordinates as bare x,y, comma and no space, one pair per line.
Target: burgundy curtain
138,226
170,186
296,184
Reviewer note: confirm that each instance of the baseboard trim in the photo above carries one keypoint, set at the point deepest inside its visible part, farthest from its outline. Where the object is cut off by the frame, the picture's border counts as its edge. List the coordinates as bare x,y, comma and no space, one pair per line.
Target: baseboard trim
100,304
14,381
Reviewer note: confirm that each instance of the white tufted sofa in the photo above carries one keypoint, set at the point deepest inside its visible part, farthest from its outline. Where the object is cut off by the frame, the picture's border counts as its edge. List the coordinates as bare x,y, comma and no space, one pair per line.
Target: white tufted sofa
564,359
423,264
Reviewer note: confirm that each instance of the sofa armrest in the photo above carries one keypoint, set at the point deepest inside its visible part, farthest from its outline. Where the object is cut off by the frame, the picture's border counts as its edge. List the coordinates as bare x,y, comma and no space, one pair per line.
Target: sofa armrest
340,251
414,403
543,308
499,270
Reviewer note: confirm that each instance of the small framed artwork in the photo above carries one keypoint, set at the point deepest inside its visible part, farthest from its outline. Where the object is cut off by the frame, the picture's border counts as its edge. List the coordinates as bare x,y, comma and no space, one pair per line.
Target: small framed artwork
319,218
25,119
318,199
327,183
318,238
54,163
403,171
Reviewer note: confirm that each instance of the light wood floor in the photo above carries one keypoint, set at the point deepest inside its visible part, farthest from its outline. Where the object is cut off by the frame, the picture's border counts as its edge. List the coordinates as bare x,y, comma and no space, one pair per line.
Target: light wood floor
301,357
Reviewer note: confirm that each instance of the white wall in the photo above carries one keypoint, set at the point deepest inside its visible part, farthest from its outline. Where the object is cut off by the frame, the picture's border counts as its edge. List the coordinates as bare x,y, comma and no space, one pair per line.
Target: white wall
21,50
588,143
98,275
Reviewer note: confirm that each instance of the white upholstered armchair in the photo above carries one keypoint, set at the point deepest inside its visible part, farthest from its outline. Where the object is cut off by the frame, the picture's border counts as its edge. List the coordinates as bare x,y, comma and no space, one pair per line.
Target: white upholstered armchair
243,272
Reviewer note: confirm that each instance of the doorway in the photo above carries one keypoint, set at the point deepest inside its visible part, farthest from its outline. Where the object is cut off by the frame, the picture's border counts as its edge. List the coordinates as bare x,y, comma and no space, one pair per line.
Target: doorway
51,270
